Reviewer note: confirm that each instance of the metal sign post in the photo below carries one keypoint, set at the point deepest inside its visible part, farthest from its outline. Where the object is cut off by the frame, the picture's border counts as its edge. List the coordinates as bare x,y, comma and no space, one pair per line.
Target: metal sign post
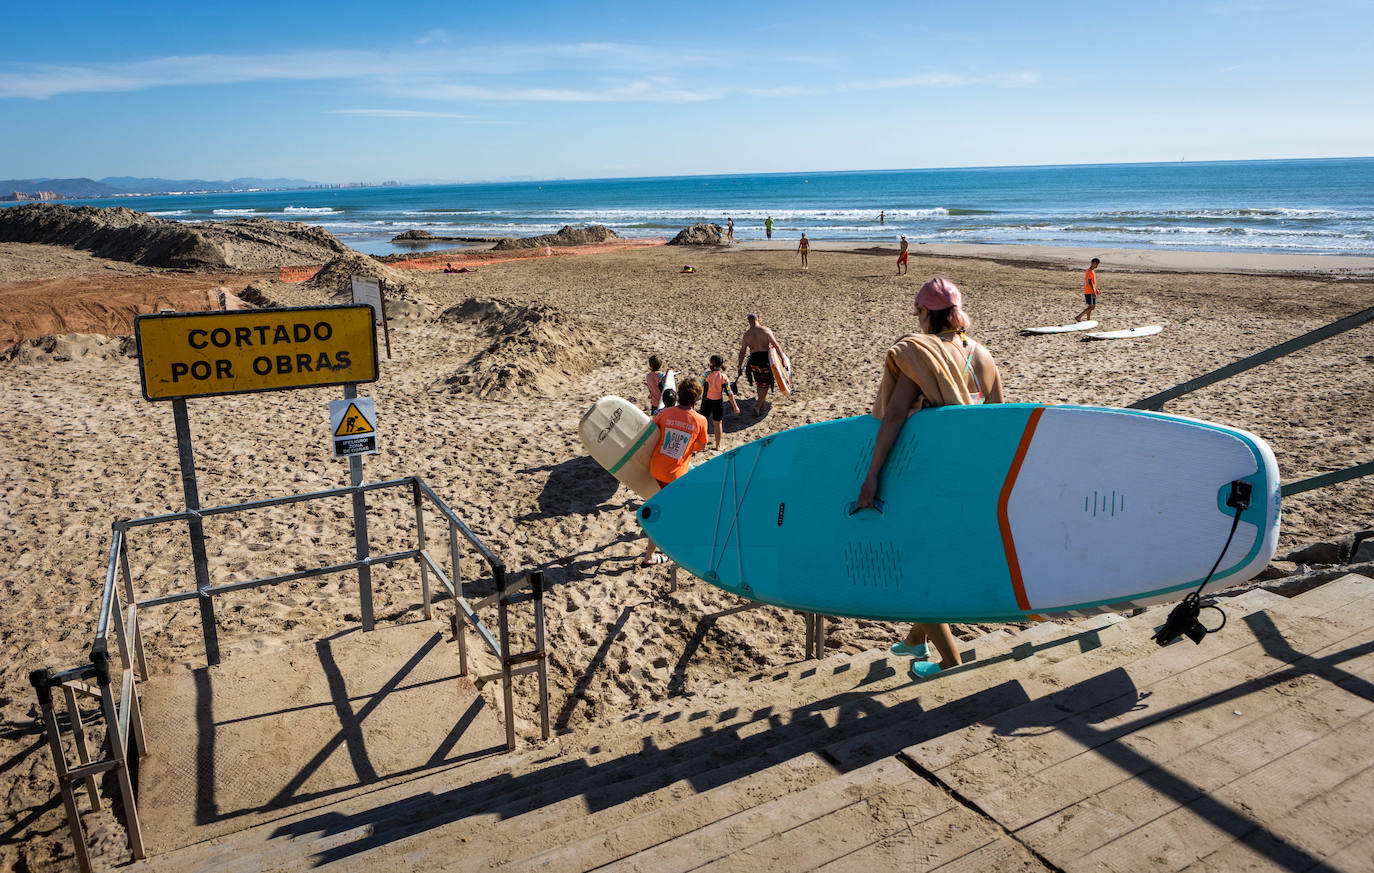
197,530
361,547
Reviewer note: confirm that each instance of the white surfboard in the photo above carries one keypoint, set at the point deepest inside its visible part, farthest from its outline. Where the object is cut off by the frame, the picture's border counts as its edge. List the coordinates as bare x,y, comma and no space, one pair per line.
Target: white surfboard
1129,333
1059,328
669,384
619,437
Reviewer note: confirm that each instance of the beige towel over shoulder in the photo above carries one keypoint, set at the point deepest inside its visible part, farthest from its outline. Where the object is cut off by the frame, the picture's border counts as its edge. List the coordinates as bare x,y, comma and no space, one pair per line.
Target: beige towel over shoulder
932,364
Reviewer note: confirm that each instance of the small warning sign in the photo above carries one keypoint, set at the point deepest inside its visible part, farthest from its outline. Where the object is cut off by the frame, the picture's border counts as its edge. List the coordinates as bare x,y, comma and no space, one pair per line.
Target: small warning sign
353,424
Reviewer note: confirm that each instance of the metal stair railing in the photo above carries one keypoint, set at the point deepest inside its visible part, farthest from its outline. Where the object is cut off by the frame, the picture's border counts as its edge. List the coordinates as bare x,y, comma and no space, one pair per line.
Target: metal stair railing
119,613
1155,402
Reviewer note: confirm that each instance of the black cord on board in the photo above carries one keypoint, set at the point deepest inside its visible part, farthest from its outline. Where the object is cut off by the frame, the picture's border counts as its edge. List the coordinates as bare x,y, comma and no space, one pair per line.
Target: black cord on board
1184,619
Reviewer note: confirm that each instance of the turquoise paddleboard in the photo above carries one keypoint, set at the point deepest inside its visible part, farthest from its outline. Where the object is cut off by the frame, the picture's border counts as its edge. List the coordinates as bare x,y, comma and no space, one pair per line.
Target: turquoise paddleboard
989,513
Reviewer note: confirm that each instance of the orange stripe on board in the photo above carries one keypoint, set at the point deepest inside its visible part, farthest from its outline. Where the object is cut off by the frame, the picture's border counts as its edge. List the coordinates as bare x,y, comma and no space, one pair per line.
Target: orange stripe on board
1013,565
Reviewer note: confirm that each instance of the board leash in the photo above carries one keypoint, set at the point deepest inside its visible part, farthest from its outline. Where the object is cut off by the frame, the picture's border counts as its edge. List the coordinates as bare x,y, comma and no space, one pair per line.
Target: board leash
1184,619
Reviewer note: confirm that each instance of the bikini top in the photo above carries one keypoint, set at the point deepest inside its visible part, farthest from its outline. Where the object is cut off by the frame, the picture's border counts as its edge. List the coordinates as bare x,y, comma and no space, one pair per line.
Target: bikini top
970,347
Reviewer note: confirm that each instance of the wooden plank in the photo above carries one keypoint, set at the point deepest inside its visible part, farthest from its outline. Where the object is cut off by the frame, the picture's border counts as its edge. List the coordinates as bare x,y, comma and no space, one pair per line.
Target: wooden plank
730,834
1131,650
902,808
1261,798
1004,855
1000,764
1136,799
923,846
1358,857
1168,740
1321,828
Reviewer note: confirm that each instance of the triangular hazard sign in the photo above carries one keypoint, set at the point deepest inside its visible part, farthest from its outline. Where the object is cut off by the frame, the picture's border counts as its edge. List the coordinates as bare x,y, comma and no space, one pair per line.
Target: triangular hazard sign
353,423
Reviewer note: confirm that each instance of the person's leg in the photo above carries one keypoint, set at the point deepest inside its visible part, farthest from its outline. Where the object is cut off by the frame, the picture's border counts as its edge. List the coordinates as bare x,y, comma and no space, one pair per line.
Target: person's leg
944,641
763,397
719,428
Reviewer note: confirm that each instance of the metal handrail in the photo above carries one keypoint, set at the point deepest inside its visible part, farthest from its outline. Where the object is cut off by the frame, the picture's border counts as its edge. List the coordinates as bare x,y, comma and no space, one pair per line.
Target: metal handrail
1155,402
123,717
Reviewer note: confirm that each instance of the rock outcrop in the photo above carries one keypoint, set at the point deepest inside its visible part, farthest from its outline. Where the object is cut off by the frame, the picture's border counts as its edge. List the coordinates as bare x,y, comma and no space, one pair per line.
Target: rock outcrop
122,234
566,236
699,235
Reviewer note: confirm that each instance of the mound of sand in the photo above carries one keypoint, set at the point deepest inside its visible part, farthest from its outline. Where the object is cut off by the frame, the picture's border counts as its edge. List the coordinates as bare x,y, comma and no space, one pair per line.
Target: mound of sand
70,347
122,234
698,235
567,236
534,350
336,277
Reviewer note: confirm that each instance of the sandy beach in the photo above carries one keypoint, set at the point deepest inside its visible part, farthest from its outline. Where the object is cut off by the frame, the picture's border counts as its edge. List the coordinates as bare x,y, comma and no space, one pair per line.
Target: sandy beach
491,370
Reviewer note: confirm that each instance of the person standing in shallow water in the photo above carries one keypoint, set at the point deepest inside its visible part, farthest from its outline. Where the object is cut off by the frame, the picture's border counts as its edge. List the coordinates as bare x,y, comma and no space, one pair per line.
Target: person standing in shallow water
768,226
954,370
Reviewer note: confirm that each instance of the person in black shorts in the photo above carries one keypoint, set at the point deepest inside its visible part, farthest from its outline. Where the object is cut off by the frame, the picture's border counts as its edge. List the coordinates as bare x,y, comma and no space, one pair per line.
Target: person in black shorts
754,345
715,391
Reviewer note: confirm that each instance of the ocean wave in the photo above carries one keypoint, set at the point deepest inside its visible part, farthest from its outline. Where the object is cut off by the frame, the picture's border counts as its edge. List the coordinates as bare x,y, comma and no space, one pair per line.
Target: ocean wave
171,212
235,212
311,210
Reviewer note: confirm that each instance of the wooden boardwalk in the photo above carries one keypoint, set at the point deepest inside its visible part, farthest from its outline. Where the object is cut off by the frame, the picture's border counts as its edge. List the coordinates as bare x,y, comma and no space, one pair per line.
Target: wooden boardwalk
1062,747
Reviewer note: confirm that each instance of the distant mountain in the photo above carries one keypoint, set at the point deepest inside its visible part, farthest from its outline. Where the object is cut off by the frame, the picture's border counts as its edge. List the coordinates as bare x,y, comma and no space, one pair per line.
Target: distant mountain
74,188
135,185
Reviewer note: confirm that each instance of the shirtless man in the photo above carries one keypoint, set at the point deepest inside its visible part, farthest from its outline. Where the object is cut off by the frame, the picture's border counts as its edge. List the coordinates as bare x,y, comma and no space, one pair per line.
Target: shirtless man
902,257
755,345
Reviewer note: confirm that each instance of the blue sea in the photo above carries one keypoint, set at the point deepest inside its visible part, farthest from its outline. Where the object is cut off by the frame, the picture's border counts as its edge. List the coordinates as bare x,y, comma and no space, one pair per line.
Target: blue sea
1319,206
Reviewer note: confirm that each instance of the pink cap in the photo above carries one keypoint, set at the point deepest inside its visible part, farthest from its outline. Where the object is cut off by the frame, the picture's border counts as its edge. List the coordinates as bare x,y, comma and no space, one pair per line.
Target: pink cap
940,293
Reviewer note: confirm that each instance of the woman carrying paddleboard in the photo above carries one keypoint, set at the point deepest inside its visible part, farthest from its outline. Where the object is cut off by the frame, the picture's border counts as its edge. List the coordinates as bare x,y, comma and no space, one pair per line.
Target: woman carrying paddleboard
940,366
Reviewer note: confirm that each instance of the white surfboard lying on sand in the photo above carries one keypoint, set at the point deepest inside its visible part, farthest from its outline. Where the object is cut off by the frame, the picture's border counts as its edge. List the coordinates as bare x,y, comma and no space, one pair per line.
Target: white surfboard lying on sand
1059,328
1128,333
619,437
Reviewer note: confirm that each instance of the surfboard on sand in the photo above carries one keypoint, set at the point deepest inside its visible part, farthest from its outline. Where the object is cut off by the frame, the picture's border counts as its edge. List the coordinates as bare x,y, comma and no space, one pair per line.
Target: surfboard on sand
1059,328
1129,333
620,437
782,370
1003,512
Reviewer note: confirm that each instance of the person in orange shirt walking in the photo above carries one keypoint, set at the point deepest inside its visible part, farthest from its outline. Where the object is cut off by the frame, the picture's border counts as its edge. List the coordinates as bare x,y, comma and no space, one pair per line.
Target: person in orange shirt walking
1089,291
717,387
681,433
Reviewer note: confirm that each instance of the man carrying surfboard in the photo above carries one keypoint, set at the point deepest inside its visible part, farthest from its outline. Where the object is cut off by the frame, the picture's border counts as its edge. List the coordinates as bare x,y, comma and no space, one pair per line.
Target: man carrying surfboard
1089,291
940,366
754,345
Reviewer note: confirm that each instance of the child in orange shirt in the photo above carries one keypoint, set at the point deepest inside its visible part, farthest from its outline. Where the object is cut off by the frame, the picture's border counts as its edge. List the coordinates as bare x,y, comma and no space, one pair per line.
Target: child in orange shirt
681,432
717,387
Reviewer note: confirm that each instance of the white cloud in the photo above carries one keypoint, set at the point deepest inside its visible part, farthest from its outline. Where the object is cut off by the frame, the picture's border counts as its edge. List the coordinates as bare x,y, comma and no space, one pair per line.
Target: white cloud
42,81
924,80
435,36
396,113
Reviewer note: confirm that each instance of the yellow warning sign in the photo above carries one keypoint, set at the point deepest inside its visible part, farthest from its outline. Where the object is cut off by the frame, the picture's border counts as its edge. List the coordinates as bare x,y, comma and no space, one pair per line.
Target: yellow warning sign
207,353
353,423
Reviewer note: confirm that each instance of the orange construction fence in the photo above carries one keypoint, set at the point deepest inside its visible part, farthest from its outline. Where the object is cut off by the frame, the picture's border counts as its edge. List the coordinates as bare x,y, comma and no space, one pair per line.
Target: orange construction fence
435,263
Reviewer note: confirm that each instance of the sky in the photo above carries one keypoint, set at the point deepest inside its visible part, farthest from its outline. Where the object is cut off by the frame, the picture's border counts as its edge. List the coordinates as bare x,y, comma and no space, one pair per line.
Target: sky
475,91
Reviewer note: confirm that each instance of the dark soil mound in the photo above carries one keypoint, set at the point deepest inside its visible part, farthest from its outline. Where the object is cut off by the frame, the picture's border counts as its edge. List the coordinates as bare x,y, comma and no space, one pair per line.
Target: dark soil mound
698,235
125,235
566,236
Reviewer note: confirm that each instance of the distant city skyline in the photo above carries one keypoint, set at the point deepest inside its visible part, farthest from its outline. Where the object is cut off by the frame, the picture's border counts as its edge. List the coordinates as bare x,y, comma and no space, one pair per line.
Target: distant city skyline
436,93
